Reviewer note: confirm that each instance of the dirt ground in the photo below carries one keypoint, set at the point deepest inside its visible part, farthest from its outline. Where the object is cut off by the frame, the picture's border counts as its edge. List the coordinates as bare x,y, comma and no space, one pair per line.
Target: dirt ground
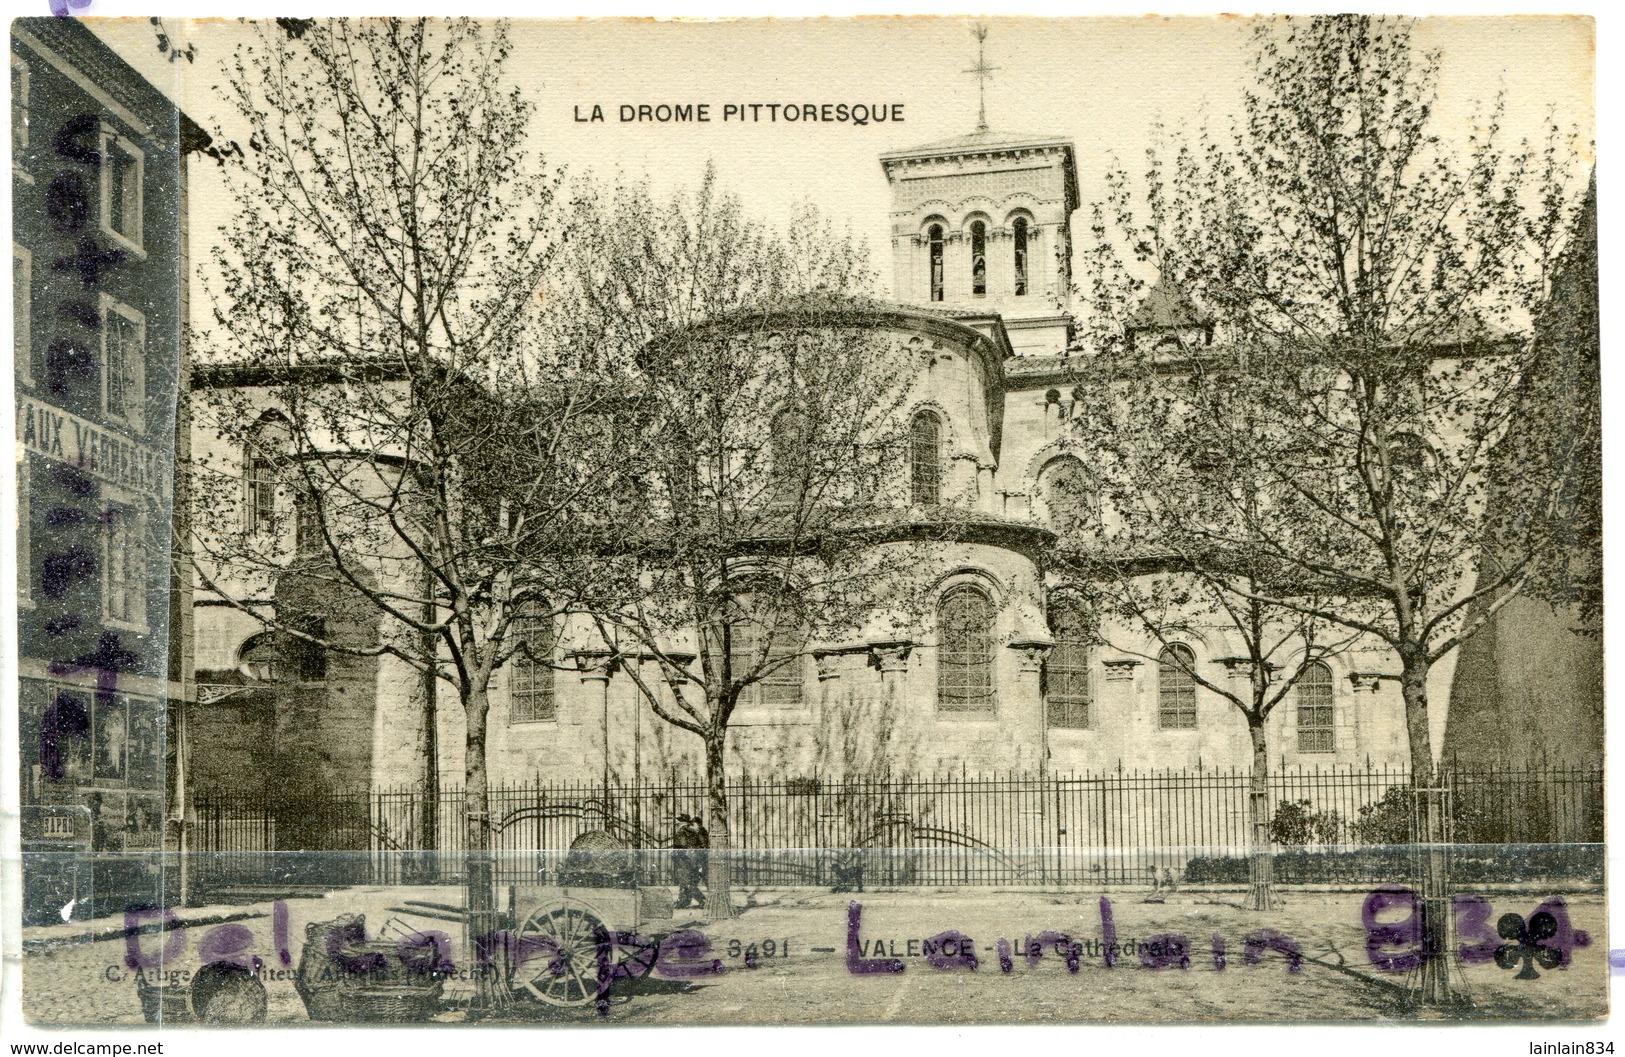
784,960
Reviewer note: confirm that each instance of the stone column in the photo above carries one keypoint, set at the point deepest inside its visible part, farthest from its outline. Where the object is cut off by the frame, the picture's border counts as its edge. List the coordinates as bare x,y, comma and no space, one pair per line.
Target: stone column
596,666
1119,697
1000,264
956,267
1027,721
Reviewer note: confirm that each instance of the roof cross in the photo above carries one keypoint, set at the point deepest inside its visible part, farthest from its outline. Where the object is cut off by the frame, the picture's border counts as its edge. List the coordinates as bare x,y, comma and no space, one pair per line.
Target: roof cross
983,73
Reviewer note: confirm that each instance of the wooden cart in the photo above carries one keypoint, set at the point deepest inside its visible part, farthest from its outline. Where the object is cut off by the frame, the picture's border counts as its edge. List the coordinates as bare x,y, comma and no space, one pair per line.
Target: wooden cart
595,917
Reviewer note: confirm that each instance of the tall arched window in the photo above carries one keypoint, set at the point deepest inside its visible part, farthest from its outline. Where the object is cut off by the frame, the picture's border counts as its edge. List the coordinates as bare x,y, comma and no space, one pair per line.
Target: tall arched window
269,444
1019,230
530,672
1176,688
1066,671
965,651
774,625
1070,498
978,258
925,459
791,452
1315,709
934,237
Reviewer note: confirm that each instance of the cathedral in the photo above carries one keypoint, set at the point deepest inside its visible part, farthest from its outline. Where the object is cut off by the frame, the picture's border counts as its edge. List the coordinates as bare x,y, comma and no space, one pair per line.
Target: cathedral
1003,680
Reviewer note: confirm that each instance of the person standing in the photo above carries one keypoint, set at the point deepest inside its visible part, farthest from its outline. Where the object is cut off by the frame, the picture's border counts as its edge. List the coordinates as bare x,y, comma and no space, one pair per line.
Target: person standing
684,865
702,859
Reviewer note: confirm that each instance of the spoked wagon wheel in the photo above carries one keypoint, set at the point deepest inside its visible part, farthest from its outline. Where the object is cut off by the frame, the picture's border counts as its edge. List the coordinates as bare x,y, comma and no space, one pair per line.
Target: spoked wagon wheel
557,952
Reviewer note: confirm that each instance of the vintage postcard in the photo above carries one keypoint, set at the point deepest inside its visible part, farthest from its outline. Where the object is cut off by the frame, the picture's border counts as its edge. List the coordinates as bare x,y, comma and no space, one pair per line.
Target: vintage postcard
909,521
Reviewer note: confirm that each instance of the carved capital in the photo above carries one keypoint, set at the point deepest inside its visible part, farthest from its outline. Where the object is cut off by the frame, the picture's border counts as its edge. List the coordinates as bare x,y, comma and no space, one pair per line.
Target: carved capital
594,665
890,656
1032,650
1369,680
1240,669
677,674
829,665
1121,669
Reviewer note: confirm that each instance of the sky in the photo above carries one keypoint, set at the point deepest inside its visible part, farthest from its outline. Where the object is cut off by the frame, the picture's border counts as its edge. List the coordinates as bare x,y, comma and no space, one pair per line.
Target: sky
1103,83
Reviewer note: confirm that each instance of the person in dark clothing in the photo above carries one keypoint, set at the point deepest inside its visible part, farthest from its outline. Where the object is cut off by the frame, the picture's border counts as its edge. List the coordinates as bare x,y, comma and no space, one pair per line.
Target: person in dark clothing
702,859
685,863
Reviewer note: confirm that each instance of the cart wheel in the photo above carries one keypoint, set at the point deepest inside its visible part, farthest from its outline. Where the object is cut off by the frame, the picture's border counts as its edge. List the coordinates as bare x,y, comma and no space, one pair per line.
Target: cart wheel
561,966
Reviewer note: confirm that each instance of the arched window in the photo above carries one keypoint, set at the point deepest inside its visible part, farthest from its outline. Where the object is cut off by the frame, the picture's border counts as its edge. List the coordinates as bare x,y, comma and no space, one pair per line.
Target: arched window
934,237
965,651
530,673
1176,688
780,658
266,448
260,657
1407,451
925,459
1070,497
978,258
1019,230
1315,709
791,452
1066,671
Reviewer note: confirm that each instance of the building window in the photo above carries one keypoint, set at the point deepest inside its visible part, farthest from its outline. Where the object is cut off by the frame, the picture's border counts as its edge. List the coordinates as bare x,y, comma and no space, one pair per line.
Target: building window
934,238
965,651
122,166
1070,498
978,258
1315,709
1019,230
1407,451
791,443
22,311
1066,671
124,340
782,664
262,657
124,570
266,449
530,677
19,105
925,459
1176,688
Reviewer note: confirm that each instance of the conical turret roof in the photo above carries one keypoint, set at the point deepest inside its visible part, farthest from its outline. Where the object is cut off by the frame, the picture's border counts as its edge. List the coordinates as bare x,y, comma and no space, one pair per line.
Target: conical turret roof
1167,306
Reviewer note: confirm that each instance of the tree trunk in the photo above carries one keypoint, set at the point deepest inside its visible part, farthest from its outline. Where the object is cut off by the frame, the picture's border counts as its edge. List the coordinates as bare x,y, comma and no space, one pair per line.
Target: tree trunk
1261,868
1432,986
719,869
428,836
482,904
421,863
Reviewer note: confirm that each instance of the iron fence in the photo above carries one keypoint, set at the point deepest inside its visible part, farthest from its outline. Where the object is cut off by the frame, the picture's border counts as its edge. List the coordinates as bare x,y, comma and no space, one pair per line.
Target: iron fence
1116,828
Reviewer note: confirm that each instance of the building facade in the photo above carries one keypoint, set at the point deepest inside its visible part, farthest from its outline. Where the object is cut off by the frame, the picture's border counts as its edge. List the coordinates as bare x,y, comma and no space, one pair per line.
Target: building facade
99,249
999,677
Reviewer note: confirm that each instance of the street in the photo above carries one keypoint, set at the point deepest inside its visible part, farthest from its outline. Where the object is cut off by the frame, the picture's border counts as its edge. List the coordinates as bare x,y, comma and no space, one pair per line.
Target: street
1239,962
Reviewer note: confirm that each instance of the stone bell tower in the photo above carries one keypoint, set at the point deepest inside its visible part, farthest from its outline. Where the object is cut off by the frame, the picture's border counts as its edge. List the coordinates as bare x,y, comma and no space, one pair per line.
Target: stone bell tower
983,222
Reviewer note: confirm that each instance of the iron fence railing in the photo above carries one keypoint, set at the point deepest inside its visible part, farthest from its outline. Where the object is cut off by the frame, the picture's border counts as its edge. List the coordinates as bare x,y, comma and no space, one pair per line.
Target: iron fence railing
1110,828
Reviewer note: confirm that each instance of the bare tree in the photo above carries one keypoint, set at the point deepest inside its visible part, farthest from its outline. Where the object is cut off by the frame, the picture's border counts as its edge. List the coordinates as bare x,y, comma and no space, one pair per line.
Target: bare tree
769,517
1371,280
1164,487
389,435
